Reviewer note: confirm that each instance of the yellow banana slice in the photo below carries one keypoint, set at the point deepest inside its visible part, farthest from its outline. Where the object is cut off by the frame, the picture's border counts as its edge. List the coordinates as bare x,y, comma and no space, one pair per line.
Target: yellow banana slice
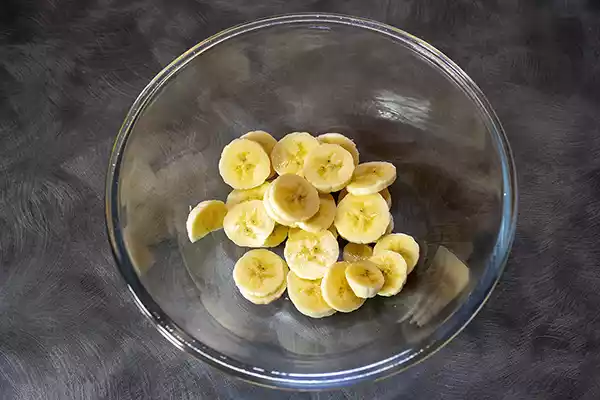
293,198
328,168
336,290
310,254
265,140
390,227
205,218
393,267
306,296
356,252
364,278
276,237
265,299
259,272
385,193
403,244
372,177
237,196
276,217
248,224
244,164
362,219
339,139
323,218
289,153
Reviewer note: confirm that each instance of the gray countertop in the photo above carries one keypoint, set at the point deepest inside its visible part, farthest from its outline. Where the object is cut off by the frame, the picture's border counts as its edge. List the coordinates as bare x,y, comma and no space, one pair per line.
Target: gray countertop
69,70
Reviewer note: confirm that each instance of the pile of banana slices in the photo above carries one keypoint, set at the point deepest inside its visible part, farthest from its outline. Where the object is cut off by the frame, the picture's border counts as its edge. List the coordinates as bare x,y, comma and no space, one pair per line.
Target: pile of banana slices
282,190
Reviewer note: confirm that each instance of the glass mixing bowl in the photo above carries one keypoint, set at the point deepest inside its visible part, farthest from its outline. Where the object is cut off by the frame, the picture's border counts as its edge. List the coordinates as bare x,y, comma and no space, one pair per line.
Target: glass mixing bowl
401,101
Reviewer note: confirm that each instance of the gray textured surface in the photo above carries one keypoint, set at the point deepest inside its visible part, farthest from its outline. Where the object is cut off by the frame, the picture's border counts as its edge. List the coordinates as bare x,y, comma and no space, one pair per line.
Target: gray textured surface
69,71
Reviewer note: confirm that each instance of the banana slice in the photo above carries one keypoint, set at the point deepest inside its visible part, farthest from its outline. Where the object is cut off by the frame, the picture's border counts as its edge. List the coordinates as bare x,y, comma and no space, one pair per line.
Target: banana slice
362,219
393,268
244,164
265,140
276,217
323,218
306,296
336,290
264,299
401,243
237,196
385,193
339,139
372,177
365,278
259,272
328,168
293,198
390,227
276,237
248,224
356,252
205,218
310,254
289,153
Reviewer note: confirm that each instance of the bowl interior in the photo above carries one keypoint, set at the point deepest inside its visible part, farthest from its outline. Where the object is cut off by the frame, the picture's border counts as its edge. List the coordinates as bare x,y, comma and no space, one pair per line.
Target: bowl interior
399,103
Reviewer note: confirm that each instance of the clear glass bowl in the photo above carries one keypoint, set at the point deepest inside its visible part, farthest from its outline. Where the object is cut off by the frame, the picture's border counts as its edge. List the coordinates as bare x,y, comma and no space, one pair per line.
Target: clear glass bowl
401,101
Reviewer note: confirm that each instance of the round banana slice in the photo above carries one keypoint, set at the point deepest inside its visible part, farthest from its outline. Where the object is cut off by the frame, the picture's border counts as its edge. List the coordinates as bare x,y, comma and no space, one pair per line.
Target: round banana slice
205,218
265,299
328,168
393,267
339,139
248,224
390,226
293,198
263,138
365,278
323,218
372,177
385,193
244,164
306,296
237,196
362,219
356,252
259,272
276,217
336,290
276,237
310,254
289,153
401,243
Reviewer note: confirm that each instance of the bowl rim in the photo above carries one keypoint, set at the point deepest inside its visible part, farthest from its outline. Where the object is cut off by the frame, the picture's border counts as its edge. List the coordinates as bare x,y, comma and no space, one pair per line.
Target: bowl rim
383,368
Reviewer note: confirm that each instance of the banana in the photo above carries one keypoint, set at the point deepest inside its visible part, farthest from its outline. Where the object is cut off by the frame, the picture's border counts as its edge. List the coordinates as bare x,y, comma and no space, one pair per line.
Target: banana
259,272
237,196
323,219
293,198
362,219
328,168
265,299
276,217
401,243
306,296
310,254
372,177
385,193
336,290
289,153
244,164
339,139
390,227
265,140
393,268
248,224
365,278
276,237
356,252
205,218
